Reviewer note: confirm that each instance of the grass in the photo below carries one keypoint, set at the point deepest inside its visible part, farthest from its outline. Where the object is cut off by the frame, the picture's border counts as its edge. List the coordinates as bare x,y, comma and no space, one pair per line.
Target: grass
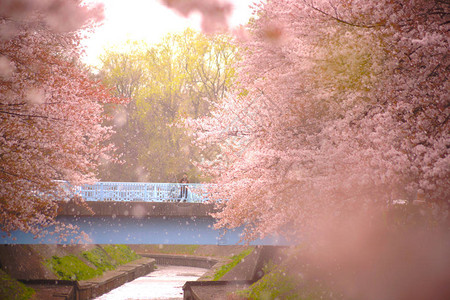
121,254
234,261
100,259
71,267
278,283
275,284
11,289
107,257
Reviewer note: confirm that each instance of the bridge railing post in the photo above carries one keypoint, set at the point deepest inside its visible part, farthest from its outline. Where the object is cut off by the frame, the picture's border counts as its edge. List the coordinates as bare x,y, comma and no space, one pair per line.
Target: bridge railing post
101,191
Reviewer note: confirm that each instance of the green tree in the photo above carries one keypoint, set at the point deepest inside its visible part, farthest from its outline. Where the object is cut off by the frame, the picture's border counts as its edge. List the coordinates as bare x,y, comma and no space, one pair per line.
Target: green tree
123,72
182,76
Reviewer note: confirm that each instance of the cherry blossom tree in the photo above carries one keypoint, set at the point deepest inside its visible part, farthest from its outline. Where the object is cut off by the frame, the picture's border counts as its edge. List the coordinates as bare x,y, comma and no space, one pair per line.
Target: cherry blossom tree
340,106
50,111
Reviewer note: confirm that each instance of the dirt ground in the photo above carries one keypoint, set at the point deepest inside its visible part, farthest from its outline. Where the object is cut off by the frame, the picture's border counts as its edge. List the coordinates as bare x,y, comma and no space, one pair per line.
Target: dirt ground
23,262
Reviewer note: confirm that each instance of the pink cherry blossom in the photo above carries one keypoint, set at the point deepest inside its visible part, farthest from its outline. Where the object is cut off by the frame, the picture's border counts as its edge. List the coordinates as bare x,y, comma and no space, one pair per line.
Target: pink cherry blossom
339,106
51,112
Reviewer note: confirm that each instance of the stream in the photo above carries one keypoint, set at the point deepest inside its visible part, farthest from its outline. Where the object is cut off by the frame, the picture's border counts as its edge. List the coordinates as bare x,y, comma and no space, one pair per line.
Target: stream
166,282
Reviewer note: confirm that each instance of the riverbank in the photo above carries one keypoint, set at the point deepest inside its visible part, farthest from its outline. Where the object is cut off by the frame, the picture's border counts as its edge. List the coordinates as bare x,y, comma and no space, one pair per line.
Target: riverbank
69,271
42,266
242,270
89,289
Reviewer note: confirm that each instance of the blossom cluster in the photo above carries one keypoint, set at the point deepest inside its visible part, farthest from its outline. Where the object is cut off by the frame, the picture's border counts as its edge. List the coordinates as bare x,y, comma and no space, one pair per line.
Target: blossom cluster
339,105
51,112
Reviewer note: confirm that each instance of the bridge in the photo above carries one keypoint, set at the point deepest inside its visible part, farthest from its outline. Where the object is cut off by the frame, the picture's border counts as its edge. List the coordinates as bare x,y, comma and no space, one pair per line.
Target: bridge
140,191
141,213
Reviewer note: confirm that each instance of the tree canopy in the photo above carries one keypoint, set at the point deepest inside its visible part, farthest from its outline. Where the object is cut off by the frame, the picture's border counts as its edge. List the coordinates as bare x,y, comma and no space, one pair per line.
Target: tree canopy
341,105
182,76
50,111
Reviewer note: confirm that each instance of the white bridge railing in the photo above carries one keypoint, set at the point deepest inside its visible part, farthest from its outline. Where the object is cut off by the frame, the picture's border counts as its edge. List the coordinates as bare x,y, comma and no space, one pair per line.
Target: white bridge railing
143,191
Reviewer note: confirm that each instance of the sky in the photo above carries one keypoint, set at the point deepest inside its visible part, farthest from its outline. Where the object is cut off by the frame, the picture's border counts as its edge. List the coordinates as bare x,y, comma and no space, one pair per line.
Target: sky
147,20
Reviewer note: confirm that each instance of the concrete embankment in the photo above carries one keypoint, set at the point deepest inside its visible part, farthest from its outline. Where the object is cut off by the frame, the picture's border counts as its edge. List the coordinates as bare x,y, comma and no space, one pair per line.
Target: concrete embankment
248,271
28,264
92,288
89,289
31,264
182,260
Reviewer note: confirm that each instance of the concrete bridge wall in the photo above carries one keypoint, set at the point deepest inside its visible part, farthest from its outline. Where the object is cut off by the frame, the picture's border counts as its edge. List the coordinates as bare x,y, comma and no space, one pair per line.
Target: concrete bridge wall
140,223
135,209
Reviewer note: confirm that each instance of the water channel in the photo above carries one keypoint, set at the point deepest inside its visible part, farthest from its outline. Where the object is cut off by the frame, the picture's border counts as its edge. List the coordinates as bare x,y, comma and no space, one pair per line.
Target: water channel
166,282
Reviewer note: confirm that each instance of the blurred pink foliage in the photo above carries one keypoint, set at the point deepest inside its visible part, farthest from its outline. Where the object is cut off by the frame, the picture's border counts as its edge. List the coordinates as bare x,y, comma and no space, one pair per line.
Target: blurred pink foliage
51,112
214,12
362,259
339,106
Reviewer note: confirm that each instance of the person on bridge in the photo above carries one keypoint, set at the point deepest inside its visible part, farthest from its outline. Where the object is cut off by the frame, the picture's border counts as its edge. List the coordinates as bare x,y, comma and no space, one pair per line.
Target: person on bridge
183,190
